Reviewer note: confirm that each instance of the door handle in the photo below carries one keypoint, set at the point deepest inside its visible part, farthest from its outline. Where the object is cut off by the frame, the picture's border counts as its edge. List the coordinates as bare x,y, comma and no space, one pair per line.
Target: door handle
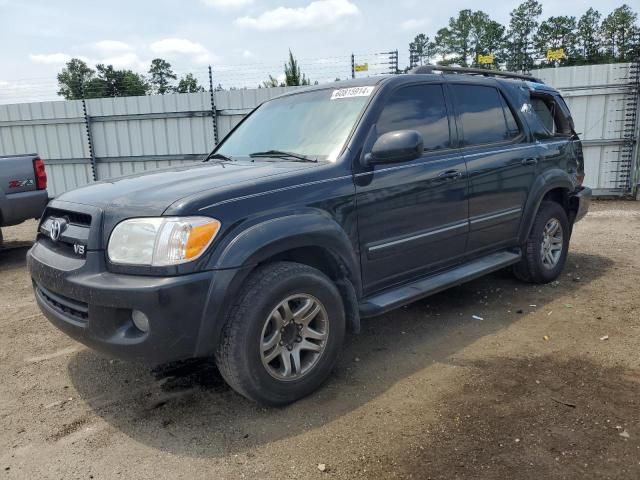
530,161
450,175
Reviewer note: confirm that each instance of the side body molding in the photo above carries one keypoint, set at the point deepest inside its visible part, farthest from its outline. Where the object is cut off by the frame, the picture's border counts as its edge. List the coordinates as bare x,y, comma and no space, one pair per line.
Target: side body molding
546,181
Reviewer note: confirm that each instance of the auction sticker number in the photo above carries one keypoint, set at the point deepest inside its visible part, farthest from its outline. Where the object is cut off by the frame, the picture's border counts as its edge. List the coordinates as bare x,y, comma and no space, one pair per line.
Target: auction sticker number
352,92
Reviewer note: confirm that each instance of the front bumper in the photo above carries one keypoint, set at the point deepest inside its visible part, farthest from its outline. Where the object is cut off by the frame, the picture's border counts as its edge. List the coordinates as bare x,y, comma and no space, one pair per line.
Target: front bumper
581,200
93,306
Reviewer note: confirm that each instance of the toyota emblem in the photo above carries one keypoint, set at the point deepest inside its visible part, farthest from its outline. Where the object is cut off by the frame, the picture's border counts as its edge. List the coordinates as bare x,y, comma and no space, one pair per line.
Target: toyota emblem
56,229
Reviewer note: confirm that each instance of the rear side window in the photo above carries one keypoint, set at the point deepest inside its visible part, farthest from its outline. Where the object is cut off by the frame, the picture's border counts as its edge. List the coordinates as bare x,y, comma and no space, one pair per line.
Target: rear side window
421,108
551,115
484,114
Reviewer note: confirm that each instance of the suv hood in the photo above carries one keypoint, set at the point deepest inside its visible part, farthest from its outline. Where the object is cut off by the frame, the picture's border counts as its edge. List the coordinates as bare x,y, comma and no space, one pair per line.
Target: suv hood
151,193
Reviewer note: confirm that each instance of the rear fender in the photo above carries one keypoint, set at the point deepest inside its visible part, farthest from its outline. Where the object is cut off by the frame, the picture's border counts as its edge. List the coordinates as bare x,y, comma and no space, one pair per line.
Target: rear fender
547,181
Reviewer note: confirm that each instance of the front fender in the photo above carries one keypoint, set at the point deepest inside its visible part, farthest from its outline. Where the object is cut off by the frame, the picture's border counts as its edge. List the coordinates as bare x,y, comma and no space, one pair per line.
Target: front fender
246,247
269,237
547,181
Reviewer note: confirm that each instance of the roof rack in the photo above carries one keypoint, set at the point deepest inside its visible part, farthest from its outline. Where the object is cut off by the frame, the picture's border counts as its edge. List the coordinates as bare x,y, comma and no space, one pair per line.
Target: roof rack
475,71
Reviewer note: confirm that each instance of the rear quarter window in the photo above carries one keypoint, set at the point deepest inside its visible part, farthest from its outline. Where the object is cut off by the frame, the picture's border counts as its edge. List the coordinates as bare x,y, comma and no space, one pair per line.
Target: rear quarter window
552,115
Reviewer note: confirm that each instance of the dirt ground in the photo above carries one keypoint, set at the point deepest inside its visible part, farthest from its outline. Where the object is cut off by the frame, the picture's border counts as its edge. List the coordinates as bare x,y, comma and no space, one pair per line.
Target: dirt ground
546,385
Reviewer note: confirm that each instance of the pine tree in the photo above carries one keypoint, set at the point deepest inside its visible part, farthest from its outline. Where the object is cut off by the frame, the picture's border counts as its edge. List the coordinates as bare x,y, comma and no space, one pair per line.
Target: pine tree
555,33
588,37
523,26
161,76
293,75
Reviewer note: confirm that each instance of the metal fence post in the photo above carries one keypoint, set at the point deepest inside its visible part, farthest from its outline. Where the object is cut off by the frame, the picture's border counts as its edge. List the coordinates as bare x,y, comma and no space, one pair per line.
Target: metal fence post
87,123
214,112
394,62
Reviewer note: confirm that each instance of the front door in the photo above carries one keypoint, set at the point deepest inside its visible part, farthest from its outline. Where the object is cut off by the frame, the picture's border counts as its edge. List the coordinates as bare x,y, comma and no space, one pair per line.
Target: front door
412,216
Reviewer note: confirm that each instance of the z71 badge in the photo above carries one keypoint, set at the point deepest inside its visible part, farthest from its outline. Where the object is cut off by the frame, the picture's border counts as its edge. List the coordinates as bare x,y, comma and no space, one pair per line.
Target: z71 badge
20,183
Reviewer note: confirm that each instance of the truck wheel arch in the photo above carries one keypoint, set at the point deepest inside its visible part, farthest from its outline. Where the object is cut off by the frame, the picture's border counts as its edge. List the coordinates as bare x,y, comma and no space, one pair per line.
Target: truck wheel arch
555,183
310,238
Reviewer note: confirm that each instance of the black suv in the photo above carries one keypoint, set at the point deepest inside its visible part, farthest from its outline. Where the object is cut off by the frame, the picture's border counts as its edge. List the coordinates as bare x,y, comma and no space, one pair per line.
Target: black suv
322,207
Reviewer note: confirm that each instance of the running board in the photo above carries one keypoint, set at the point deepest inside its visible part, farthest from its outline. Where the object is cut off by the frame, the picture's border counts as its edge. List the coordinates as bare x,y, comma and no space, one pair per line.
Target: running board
397,297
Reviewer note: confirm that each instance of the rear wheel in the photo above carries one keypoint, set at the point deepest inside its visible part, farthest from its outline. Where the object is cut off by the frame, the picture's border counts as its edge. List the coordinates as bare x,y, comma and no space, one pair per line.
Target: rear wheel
545,251
283,336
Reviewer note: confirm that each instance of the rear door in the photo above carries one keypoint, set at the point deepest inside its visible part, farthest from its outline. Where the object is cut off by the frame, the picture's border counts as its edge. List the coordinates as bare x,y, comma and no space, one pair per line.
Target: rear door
412,216
501,163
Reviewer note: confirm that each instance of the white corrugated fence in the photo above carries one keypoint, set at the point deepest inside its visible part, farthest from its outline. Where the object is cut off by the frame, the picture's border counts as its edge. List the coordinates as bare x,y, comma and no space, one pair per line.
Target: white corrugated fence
133,134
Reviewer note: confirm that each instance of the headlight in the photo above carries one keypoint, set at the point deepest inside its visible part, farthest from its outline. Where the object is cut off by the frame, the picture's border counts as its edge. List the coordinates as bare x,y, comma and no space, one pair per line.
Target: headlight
161,241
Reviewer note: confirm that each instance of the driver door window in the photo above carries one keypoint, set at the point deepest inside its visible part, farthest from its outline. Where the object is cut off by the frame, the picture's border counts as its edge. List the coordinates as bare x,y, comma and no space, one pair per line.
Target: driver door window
421,108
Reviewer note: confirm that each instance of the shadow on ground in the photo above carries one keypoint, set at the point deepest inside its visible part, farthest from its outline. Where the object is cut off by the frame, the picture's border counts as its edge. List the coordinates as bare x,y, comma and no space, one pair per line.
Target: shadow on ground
13,255
527,419
187,409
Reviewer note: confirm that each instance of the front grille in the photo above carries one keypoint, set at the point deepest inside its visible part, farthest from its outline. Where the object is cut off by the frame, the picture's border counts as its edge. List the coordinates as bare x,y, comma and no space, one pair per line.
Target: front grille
75,218
73,308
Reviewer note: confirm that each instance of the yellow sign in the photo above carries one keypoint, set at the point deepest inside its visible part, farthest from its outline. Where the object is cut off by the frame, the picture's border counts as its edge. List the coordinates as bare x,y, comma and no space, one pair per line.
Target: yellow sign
555,54
485,59
363,67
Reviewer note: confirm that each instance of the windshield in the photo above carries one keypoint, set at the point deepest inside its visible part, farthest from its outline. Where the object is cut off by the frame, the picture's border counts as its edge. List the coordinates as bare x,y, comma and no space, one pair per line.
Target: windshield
315,124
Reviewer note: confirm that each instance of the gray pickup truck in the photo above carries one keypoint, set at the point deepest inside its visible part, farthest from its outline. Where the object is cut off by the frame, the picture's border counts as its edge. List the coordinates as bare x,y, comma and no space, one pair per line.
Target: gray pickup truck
23,189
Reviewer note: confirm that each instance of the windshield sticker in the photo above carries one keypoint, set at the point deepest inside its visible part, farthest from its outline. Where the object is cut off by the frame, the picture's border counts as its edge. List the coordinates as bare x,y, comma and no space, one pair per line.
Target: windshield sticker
352,92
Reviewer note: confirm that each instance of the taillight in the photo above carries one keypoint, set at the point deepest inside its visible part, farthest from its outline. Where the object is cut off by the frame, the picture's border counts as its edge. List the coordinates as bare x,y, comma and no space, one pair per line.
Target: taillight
41,175
580,179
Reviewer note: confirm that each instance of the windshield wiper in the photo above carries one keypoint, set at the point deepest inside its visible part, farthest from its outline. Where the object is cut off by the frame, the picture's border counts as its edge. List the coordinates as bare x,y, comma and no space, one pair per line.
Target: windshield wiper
282,154
218,156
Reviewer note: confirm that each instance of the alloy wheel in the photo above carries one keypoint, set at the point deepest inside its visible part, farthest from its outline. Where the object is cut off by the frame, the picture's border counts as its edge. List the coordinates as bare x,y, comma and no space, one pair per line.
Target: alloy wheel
294,336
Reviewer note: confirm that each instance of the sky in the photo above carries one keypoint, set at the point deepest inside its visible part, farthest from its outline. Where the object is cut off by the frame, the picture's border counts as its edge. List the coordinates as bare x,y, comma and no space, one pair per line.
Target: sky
244,40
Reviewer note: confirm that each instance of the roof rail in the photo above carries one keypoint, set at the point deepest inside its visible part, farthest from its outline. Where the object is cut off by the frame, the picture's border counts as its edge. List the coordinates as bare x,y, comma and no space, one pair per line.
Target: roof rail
475,71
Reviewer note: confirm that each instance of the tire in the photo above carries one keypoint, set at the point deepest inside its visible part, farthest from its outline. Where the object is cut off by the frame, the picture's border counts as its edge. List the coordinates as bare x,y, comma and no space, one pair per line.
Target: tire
544,256
252,354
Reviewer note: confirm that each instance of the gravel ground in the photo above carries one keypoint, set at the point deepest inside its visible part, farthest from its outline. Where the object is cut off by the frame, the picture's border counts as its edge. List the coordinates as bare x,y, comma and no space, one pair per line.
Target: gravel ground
546,385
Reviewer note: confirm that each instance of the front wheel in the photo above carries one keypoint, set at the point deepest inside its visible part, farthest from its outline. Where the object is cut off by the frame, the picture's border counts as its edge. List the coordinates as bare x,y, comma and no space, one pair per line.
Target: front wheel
545,252
283,335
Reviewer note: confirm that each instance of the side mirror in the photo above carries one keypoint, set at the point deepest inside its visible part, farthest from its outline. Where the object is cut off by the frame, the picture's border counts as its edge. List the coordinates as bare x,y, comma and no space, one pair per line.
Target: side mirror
395,147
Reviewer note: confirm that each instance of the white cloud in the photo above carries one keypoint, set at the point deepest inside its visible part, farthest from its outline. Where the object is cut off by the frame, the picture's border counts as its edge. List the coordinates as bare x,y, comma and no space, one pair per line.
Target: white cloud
50,58
414,23
112,46
126,60
182,46
247,53
317,14
227,4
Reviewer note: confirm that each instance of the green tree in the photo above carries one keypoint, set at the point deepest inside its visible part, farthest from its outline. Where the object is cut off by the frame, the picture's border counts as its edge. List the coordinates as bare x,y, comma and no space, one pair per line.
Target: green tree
442,46
523,26
189,84
557,32
110,82
73,79
161,76
620,34
293,75
459,39
421,50
272,82
588,39
487,37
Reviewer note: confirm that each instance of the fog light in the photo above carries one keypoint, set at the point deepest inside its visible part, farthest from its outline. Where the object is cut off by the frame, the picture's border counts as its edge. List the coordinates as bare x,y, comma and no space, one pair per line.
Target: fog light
140,320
